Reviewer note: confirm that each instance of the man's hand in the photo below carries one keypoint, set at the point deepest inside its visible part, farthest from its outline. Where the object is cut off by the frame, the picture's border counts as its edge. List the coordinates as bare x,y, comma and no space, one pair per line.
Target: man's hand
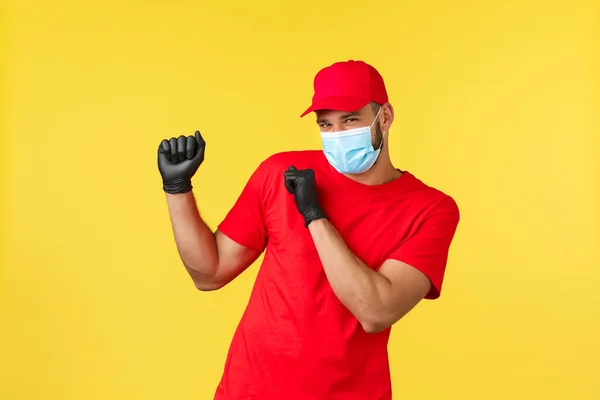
178,160
302,184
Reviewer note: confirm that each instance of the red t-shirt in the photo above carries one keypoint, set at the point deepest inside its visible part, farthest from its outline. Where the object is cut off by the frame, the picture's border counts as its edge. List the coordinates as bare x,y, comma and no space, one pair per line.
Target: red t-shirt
296,340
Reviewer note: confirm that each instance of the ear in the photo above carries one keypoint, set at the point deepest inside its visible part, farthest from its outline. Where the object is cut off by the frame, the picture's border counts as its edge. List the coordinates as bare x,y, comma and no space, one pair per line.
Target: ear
387,117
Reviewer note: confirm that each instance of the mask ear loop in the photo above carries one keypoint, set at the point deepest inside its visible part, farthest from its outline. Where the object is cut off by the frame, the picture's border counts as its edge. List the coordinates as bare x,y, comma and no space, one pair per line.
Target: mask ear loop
376,115
373,123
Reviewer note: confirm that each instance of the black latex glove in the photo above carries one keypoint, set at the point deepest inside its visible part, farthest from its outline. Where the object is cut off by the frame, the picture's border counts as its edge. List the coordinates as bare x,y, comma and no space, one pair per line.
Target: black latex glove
178,160
302,184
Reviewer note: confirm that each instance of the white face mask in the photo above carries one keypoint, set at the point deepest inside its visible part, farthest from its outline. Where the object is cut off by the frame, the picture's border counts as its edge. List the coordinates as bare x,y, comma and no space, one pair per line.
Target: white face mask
351,151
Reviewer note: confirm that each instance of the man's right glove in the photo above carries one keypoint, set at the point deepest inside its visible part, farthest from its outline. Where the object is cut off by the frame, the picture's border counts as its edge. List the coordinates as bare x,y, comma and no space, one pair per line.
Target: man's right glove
302,184
178,161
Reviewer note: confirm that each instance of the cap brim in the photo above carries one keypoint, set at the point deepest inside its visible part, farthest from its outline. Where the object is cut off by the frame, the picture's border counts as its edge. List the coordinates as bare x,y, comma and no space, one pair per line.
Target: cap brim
340,103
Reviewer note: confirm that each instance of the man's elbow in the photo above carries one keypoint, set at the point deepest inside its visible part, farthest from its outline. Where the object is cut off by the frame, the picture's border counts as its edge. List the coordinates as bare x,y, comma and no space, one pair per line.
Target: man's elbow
373,327
205,282
375,323
208,286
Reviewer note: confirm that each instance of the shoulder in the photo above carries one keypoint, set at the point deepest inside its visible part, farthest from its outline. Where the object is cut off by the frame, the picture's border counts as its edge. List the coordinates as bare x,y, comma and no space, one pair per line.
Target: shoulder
431,198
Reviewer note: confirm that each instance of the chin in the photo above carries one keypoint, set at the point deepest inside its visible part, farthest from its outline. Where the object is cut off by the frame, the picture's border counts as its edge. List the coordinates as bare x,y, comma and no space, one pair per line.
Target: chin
357,173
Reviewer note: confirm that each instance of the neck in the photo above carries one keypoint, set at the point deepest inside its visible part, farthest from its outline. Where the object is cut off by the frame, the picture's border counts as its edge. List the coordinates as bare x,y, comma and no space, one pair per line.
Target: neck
383,171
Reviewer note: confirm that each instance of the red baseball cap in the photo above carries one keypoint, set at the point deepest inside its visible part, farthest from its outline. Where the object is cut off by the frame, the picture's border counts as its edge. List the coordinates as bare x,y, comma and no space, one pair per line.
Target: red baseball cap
347,86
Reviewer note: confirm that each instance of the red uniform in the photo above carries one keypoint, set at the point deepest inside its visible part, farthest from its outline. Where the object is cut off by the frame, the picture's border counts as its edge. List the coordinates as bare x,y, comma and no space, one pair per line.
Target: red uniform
296,340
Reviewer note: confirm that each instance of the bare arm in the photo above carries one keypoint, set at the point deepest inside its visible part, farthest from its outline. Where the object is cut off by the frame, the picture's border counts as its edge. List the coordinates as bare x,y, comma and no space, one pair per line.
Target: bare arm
380,298
211,259
376,299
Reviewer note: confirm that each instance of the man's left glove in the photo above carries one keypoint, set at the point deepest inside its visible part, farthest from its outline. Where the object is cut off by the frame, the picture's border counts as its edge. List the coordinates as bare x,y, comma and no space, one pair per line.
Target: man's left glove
302,184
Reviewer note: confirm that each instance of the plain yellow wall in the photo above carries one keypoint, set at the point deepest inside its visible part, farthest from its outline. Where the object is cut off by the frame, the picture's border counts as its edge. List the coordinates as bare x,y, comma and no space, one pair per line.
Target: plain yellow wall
496,103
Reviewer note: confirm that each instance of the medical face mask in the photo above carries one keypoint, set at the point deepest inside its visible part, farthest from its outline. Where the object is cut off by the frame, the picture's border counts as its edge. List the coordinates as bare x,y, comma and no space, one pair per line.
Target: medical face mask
351,151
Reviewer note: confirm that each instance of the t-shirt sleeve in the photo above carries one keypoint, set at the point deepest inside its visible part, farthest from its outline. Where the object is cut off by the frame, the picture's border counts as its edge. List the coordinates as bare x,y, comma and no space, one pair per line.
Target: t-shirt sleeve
427,250
245,223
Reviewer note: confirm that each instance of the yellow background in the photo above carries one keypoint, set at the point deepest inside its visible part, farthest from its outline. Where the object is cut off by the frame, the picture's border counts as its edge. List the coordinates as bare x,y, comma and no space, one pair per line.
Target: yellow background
496,103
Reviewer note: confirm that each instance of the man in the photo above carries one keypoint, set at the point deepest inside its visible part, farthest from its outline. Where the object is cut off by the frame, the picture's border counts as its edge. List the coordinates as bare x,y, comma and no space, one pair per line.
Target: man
352,245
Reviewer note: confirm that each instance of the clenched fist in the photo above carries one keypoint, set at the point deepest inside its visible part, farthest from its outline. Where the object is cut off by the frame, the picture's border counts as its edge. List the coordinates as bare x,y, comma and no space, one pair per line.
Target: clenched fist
178,161
302,184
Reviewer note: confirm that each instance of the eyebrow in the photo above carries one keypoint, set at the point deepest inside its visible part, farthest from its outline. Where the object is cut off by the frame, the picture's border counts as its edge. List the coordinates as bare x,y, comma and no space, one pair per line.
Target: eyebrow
344,116
352,114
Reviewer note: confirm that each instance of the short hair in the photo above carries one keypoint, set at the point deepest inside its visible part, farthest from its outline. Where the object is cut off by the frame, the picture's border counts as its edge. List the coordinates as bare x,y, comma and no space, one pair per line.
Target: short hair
375,107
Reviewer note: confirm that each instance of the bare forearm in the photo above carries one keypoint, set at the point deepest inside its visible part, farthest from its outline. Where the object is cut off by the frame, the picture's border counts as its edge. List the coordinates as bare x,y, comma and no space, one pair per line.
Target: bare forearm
361,289
195,241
